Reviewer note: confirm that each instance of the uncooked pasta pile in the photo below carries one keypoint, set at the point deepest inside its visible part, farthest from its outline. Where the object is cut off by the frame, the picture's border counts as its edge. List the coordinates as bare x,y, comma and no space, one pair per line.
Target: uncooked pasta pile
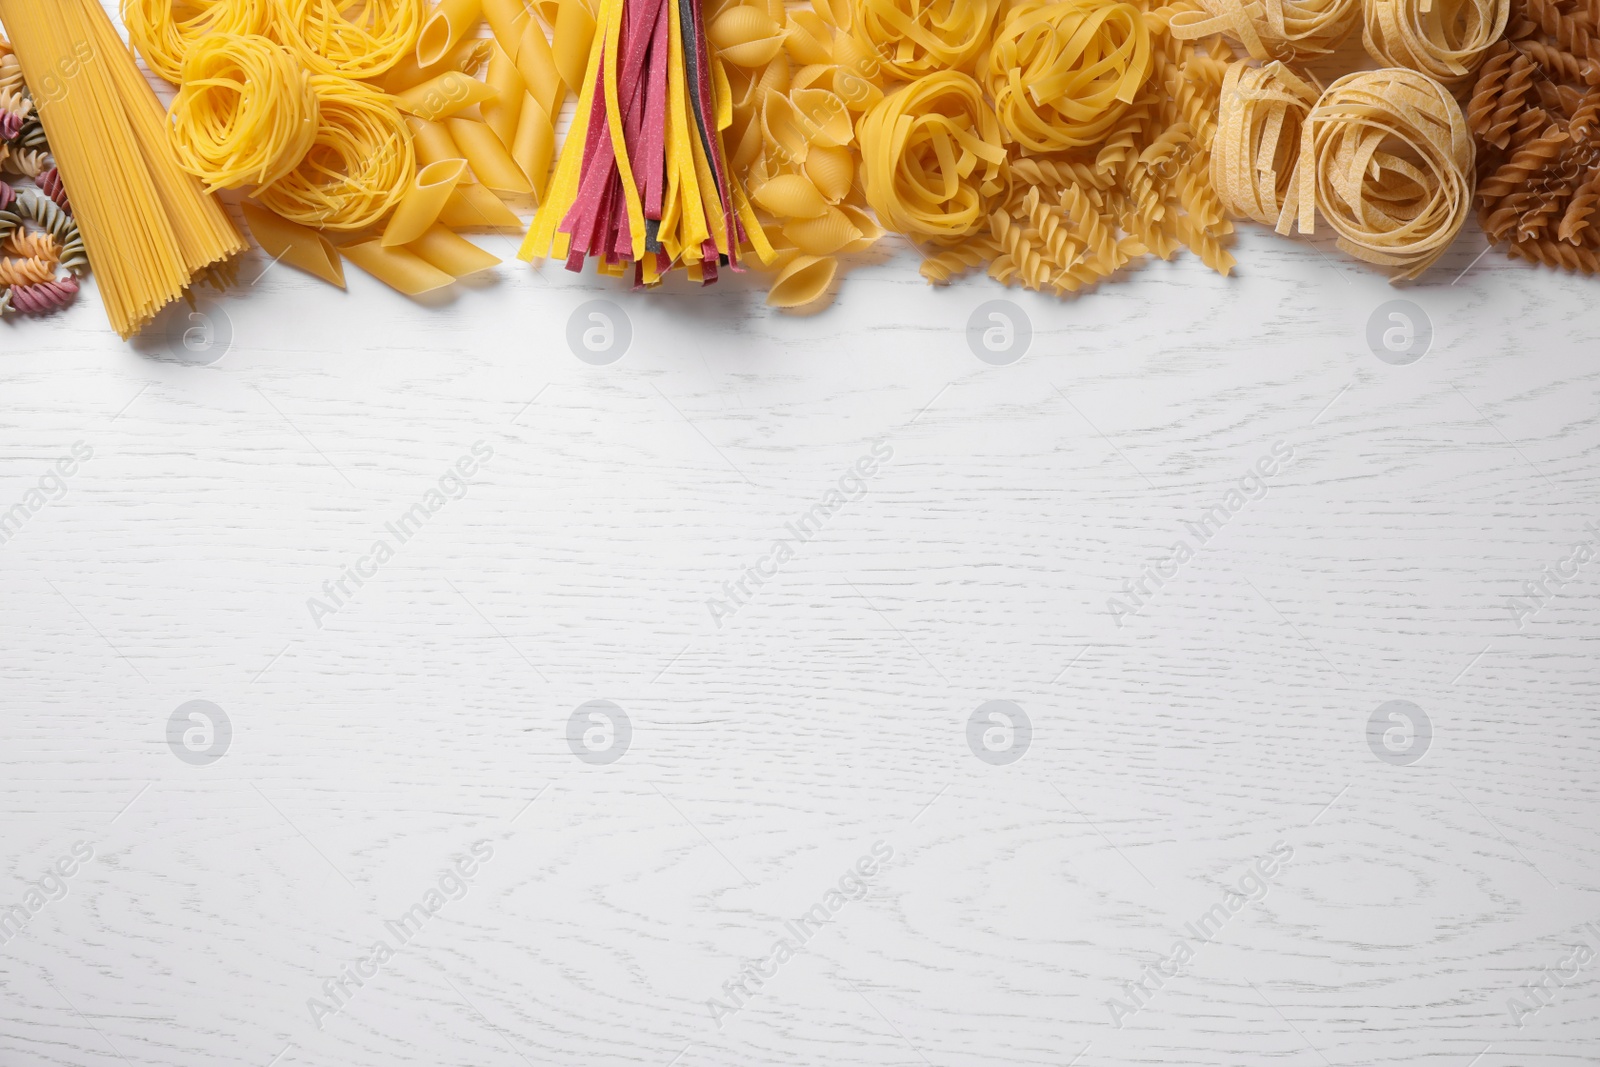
41,252
1534,110
1049,143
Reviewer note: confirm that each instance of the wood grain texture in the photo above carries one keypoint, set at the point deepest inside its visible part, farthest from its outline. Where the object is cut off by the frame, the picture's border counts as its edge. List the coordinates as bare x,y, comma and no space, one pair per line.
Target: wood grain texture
830,711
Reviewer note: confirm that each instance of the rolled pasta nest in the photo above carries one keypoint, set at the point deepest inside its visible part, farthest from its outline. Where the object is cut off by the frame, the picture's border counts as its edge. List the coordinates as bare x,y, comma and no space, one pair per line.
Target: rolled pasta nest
1445,38
1273,29
358,40
1387,159
358,167
1062,73
933,157
245,112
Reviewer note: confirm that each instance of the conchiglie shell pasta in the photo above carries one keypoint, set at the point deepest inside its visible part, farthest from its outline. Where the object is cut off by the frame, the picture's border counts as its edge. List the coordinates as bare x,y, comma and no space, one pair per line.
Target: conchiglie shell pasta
824,235
791,196
746,36
785,128
804,279
831,169
871,231
809,40
824,116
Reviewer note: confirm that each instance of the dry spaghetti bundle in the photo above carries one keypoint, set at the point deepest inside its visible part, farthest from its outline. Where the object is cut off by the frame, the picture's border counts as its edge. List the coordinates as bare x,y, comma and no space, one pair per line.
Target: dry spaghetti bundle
149,227
643,184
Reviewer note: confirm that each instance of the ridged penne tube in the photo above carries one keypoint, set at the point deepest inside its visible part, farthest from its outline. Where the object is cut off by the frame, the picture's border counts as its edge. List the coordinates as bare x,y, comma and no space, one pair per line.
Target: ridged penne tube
501,114
448,94
490,161
420,208
467,56
534,146
398,268
447,24
451,253
289,242
433,143
472,207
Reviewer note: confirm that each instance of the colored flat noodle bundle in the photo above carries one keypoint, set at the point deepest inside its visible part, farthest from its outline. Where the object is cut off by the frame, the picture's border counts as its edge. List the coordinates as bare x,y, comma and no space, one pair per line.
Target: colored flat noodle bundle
1386,158
245,113
1062,72
358,168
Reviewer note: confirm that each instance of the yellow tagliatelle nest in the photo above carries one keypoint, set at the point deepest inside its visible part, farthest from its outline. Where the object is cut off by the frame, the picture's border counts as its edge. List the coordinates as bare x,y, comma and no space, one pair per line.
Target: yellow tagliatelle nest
245,114
1062,72
1257,142
916,37
932,157
164,39
357,40
1387,158
356,170
1273,29
1444,38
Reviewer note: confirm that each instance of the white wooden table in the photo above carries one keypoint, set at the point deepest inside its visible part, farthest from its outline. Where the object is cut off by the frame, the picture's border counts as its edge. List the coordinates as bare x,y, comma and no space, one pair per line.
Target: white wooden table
764,743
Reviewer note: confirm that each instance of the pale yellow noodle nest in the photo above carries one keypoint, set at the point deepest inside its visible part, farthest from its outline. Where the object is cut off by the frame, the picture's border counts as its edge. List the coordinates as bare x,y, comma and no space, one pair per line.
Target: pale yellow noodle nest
1257,142
1273,29
1387,159
1444,38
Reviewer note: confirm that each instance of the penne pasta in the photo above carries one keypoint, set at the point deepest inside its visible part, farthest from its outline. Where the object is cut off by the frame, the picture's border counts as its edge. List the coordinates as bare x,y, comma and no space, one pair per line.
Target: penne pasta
451,253
289,242
502,113
448,23
423,202
467,56
472,207
534,146
574,32
490,161
433,143
400,269
519,33
447,94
